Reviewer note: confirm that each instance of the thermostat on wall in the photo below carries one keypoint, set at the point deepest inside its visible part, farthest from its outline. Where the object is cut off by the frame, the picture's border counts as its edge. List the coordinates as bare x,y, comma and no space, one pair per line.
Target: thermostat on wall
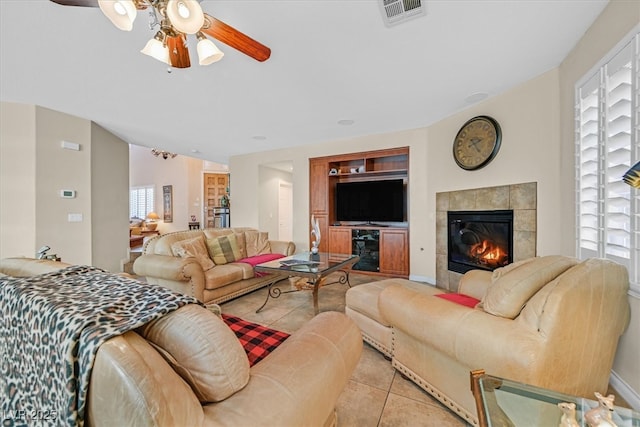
68,194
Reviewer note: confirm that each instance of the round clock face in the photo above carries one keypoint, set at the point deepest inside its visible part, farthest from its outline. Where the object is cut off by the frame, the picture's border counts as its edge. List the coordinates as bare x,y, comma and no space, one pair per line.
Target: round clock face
477,143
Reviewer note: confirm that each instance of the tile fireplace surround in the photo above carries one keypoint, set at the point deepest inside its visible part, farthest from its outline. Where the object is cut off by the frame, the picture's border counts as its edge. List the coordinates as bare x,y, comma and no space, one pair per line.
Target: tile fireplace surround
522,198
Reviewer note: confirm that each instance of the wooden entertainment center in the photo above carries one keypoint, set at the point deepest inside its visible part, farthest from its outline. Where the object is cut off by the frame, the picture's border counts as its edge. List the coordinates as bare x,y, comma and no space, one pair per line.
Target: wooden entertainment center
383,247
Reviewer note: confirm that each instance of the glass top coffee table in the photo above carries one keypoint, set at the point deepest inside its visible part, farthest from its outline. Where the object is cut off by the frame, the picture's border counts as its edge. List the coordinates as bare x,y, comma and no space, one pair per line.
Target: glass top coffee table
502,402
314,268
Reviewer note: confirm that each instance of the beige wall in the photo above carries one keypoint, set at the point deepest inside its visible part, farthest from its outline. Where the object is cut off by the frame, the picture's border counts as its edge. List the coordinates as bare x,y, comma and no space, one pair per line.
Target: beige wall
537,124
17,180
269,198
32,204
109,189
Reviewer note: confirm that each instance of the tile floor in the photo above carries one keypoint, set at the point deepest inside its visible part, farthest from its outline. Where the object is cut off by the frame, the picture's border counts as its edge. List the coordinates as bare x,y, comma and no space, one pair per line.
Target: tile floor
376,395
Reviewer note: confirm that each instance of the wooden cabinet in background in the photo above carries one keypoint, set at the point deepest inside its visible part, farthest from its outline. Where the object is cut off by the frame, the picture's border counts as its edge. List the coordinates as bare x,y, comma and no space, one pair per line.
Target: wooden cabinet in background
318,201
326,172
340,240
394,244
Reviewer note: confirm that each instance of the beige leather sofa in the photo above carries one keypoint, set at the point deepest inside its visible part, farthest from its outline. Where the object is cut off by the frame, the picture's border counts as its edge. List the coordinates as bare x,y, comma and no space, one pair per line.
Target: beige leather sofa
211,382
197,274
189,369
553,322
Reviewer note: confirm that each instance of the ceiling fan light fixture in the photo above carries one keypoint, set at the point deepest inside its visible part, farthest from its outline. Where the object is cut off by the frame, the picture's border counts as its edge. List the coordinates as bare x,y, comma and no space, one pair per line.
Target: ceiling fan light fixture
156,48
186,16
208,52
121,13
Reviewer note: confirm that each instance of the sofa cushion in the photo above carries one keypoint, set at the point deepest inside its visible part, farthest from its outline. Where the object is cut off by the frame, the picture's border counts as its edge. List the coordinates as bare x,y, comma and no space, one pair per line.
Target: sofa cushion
224,274
257,242
224,249
242,245
364,298
193,248
513,285
202,350
161,245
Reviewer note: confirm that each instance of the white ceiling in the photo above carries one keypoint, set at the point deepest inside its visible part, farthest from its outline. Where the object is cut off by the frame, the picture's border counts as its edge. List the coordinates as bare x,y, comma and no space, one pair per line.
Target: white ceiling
331,60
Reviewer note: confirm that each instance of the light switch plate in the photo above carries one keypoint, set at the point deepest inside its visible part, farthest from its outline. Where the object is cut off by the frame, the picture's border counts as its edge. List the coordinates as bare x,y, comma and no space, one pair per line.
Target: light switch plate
75,217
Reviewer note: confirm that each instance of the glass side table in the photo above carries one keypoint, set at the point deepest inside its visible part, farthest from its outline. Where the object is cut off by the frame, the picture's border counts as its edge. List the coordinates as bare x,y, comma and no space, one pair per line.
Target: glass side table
504,403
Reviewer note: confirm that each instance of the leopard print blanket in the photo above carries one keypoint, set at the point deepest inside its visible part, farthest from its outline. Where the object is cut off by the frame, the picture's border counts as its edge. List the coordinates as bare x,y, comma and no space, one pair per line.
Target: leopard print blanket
52,327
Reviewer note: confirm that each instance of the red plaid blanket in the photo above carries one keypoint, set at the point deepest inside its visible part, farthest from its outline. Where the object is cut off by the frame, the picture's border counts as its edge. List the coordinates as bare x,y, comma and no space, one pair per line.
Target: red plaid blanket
258,341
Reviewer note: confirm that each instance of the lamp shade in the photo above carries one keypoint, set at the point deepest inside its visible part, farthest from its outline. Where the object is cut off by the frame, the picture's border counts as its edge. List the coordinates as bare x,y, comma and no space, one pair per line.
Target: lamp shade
186,16
152,215
121,13
156,49
208,52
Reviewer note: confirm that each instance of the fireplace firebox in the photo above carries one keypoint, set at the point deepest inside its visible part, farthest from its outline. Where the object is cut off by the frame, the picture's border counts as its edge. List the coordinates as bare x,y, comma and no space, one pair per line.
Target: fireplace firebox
479,240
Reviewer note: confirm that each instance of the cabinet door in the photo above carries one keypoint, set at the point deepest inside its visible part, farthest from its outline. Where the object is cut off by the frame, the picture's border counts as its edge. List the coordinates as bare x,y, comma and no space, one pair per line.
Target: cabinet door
319,186
394,251
339,240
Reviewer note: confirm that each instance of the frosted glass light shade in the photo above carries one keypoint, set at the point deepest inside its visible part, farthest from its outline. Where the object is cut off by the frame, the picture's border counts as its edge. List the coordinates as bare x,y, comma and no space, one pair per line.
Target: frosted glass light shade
156,49
121,13
208,53
186,16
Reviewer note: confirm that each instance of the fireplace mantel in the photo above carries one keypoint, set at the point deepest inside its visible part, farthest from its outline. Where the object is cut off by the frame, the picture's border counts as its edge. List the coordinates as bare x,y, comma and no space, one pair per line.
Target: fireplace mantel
521,198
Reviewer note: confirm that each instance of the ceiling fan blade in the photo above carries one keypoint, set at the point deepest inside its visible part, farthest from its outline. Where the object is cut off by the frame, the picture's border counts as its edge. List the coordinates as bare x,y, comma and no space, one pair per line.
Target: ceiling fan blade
235,39
178,52
85,3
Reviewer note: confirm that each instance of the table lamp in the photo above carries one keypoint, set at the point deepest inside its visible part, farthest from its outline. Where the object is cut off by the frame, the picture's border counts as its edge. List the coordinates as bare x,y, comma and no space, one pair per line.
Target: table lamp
152,224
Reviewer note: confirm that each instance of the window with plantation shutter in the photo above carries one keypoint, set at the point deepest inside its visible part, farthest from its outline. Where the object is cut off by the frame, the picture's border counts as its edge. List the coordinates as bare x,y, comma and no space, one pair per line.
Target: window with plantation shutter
141,201
607,145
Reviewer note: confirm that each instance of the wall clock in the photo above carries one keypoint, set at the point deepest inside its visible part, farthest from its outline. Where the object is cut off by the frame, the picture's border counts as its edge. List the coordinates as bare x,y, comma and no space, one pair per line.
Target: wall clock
477,142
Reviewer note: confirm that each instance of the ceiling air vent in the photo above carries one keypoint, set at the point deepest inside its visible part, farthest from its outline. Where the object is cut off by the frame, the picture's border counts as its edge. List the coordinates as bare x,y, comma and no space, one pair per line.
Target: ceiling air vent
397,11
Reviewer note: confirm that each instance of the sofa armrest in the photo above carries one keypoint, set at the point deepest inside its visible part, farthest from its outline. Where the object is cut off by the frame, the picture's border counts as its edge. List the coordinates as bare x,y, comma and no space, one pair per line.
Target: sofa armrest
25,267
474,338
282,247
475,283
300,382
168,267
131,384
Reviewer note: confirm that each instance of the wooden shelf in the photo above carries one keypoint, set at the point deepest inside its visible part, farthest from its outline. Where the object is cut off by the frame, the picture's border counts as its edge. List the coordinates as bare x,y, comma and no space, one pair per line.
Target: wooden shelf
395,161
393,172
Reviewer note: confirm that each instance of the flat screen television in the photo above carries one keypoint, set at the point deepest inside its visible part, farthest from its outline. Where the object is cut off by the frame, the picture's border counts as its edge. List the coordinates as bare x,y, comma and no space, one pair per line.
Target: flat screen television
370,201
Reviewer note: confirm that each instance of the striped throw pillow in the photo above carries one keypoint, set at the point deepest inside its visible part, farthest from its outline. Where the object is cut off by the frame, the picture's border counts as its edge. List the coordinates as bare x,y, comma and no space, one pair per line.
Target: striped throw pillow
224,249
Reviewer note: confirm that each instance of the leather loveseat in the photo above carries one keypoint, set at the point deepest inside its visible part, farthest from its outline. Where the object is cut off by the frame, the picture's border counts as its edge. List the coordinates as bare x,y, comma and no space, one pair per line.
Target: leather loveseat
551,321
187,368
211,383
213,265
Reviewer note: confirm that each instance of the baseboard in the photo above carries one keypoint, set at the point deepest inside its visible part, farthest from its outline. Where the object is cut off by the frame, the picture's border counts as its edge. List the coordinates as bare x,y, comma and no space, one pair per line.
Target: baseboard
424,279
625,391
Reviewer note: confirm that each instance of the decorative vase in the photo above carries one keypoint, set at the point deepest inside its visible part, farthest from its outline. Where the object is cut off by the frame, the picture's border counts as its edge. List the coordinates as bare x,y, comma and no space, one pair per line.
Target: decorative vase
315,231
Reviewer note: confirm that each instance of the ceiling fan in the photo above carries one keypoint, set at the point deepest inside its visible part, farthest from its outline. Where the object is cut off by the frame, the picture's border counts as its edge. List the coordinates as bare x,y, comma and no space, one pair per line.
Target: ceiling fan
176,19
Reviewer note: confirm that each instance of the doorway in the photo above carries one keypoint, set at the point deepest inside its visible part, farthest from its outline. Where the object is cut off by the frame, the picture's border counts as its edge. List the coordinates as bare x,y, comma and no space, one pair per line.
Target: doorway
216,186
285,211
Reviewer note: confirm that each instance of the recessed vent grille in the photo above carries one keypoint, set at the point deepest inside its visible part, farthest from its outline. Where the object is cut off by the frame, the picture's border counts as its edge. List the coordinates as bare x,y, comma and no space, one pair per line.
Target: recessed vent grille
397,11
